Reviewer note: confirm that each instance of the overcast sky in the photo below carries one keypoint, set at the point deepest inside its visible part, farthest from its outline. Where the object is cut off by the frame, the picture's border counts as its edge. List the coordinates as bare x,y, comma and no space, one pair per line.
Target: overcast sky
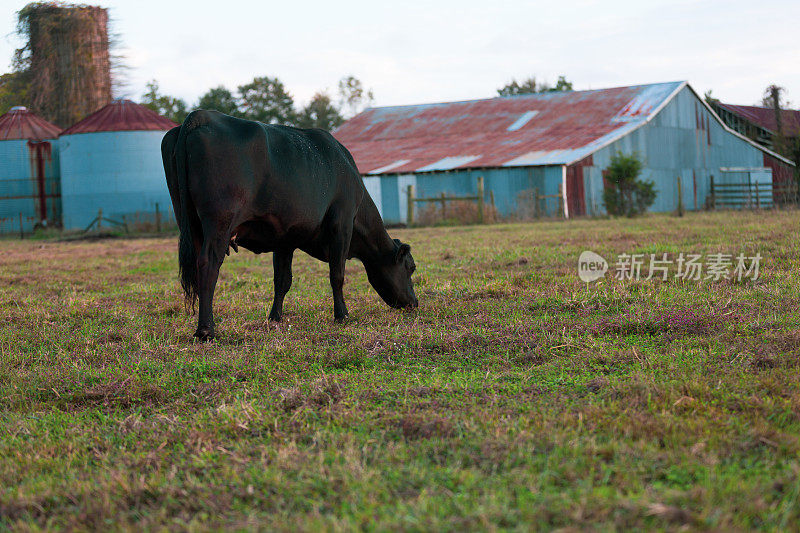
412,51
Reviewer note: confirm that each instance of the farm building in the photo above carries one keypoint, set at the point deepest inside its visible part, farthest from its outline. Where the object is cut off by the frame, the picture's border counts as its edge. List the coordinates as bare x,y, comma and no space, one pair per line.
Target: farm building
759,123
554,144
29,170
111,160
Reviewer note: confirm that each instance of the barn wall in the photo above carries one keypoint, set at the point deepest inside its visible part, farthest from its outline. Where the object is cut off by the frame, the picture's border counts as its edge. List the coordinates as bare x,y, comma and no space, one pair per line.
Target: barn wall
513,188
19,187
684,141
118,172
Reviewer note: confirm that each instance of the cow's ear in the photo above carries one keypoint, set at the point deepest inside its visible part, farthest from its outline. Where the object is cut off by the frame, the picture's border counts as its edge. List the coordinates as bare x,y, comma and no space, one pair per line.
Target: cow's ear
402,251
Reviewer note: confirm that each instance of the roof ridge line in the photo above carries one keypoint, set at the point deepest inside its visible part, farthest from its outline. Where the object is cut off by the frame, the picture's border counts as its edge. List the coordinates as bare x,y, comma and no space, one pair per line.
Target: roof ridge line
515,96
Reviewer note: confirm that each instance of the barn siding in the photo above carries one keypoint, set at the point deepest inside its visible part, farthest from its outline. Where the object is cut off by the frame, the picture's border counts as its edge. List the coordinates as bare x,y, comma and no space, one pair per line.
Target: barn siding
684,141
511,188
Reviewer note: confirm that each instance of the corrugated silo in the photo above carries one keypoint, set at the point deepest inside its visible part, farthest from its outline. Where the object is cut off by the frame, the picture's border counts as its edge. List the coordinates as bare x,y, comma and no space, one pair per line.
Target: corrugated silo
29,172
111,160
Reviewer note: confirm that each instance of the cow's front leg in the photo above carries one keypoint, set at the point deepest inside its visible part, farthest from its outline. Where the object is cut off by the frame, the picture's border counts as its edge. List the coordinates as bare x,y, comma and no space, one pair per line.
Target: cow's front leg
209,263
340,244
282,264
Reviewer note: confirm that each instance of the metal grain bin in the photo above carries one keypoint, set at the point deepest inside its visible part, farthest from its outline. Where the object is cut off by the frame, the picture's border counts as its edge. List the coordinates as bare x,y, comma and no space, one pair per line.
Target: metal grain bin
29,172
111,161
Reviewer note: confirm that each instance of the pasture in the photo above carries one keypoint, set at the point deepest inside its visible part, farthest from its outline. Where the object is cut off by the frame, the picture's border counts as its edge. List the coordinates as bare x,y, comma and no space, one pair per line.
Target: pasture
516,397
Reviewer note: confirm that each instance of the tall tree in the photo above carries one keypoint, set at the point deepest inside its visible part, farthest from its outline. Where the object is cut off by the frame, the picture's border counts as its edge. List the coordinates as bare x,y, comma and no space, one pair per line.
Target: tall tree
173,108
320,113
353,96
709,97
220,99
531,86
266,100
772,99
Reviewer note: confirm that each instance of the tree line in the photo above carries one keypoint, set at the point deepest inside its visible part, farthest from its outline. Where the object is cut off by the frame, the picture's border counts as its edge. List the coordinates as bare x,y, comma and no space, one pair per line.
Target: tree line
267,100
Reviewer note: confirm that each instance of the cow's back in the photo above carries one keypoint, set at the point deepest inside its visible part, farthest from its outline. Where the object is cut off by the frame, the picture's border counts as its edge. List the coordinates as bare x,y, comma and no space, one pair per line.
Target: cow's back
288,178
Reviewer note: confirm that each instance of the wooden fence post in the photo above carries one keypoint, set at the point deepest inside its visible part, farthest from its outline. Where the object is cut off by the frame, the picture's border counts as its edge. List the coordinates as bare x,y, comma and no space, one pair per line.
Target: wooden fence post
410,211
480,199
21,233
99,218
158,219
444,206
749,194
536,202
680,197
758,197
561,200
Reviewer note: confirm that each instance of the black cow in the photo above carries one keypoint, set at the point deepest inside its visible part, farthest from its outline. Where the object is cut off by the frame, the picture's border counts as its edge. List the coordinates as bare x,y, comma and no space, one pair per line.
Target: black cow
268,188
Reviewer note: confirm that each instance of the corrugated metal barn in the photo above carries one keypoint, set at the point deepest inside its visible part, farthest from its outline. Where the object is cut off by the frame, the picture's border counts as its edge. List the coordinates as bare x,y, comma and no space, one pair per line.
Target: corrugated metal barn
555,143
29,172
111,160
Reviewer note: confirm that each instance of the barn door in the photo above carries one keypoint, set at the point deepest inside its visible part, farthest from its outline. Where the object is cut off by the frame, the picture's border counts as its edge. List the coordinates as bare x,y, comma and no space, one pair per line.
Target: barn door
576,195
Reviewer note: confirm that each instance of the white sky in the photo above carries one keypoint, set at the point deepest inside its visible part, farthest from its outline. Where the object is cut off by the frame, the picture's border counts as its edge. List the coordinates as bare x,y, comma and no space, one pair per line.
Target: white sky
411,51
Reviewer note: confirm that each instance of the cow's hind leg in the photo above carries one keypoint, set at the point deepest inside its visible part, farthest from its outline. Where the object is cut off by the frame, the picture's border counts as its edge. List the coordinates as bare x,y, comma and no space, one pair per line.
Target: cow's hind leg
212,253
282,263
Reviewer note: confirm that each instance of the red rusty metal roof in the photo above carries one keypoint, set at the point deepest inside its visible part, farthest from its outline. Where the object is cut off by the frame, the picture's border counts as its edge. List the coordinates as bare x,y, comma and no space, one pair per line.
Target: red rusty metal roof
765,118
526,130
20,123
121,115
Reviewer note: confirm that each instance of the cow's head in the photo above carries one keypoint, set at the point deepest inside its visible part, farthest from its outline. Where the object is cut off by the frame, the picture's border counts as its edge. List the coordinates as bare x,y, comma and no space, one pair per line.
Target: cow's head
390,276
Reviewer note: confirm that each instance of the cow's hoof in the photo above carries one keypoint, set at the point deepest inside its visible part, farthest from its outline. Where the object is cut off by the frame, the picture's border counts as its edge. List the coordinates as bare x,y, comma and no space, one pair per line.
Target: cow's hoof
275,317
342,319
204,334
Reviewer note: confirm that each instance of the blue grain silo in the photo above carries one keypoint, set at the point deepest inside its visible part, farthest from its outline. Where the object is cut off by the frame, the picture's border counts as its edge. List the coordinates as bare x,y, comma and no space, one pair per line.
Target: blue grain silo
29,187
111,161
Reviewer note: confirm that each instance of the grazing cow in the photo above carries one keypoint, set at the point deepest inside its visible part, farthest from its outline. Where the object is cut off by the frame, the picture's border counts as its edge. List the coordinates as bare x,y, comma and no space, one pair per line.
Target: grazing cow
268,188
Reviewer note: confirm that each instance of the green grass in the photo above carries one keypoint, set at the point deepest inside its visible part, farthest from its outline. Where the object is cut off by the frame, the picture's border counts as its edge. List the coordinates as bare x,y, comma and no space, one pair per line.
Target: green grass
515,398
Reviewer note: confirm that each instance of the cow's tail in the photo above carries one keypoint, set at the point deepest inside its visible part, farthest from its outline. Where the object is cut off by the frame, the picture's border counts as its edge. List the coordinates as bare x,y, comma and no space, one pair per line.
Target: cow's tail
191,237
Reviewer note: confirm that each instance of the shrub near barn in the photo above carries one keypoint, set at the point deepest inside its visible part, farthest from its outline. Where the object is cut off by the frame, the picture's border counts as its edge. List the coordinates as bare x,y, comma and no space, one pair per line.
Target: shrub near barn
625,194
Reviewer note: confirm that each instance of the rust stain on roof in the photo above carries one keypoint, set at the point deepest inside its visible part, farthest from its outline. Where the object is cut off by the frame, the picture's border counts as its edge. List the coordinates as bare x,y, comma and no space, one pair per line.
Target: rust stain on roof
765,117
537,129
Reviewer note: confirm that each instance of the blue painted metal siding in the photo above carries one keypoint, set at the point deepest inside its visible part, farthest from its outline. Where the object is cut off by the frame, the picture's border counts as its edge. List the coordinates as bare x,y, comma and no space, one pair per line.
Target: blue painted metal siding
684,141
118,172
510,186
19,188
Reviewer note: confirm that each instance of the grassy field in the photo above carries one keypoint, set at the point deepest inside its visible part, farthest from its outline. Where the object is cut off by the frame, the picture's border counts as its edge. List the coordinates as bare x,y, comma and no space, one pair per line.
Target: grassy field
517,396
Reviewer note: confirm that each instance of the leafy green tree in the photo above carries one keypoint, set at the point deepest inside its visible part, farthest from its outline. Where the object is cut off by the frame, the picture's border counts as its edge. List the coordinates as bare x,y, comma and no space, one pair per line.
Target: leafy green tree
709,98
173,108
320,113
626,194
220,99
353,96
562,85
531,86
514,88
14,90
266,100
